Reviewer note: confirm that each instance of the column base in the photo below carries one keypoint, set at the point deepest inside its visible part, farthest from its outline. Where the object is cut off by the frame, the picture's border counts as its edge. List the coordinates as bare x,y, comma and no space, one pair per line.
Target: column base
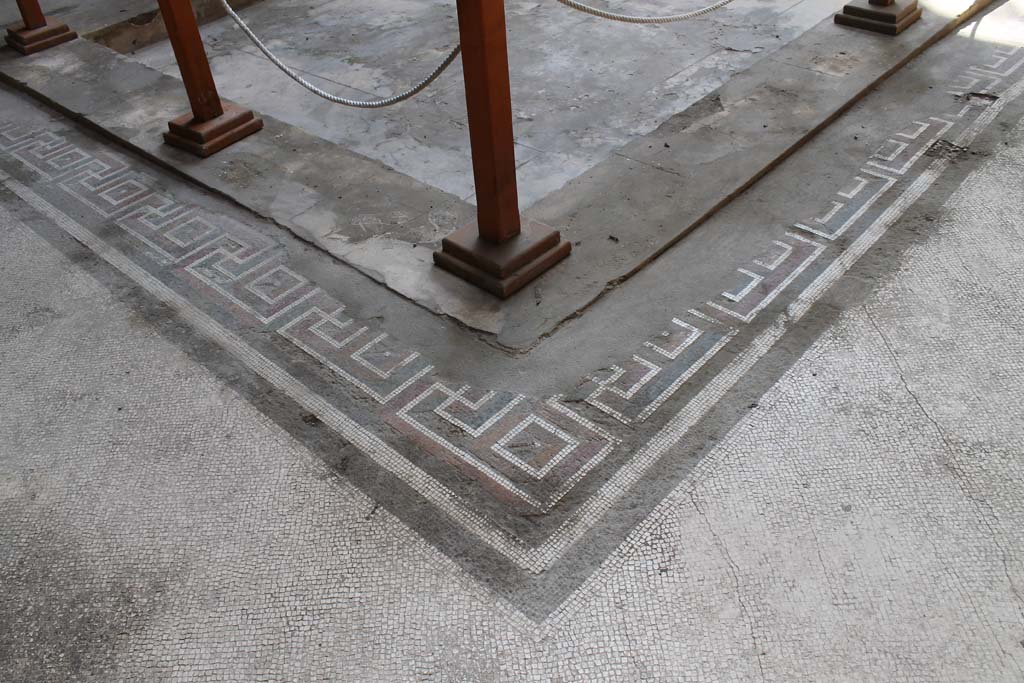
502,269
204,138
891,19
28,41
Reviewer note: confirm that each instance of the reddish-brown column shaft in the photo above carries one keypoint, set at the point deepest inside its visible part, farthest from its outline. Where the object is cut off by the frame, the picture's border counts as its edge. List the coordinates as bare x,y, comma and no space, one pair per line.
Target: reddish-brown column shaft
489,103
31,14
183,32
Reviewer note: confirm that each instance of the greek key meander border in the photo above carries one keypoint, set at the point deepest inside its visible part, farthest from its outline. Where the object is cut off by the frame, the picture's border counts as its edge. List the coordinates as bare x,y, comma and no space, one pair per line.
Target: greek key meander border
242,272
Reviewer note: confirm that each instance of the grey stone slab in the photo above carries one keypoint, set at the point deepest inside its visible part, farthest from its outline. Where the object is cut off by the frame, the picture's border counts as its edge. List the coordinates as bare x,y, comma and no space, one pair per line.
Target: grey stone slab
123,25
581,86
314,172
132,33
769,108
374,48
78,76
84,16
421,142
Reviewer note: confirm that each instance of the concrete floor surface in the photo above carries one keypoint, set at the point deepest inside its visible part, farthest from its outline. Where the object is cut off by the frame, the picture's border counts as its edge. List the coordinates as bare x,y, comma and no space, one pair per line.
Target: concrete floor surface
582,87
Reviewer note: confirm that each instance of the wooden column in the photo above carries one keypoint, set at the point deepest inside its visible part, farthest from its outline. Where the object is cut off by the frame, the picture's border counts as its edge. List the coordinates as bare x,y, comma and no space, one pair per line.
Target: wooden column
498,251
213,124
489,105
881,16
39,32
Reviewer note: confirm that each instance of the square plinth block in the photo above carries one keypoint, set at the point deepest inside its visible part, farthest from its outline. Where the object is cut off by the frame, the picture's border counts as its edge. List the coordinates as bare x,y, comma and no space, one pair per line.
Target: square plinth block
204,138
890,19
28,41
502,269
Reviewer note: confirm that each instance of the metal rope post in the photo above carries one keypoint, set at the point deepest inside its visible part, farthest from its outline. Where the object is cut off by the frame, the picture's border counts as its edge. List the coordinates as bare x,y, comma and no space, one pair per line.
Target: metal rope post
39,32
496,252
213,124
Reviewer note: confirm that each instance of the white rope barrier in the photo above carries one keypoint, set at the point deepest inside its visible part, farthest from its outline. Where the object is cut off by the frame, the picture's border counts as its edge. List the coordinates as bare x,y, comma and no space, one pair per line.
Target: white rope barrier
631,19
360,104
400,97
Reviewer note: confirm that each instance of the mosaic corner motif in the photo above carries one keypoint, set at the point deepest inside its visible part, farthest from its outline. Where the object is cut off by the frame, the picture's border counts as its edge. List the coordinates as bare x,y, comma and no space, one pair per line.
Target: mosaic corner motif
527,454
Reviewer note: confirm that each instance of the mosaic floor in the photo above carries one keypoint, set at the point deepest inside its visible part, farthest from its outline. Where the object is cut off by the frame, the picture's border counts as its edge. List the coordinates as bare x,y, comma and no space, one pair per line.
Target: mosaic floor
239,480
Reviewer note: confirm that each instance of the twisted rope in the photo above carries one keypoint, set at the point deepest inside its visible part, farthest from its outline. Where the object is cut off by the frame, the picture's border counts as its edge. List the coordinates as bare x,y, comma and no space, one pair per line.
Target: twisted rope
630,19
359,104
